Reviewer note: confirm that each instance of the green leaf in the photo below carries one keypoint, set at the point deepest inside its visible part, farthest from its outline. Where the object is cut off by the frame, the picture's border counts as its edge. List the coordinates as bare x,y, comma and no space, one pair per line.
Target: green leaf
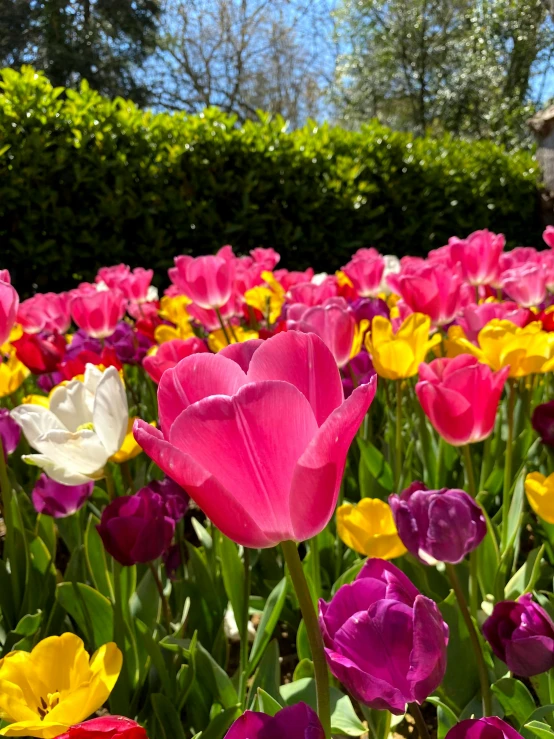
515,699
268,674
376,463
303,650
96,559
168,717
232,570
526,577
217,728
446,718
268,622
267,703
539,729
305,668
88,607
215,679
158,661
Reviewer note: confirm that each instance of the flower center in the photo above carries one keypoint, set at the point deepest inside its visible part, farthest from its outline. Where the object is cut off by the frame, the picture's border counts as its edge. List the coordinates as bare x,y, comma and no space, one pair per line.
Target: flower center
88,426
52,700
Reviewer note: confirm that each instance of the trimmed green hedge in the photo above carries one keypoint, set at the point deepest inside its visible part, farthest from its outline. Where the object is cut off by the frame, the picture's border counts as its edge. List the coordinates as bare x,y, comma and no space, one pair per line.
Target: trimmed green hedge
86,181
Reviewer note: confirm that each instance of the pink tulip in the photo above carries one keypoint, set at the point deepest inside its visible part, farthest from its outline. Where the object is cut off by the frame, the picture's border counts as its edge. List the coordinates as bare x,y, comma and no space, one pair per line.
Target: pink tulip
365,253
478,256
311,293
366,275
170,353
548,236
526,284
443,254
433,289
288,279
460,397
547,263
136,284
207,281
98,313
475,317
45,312
262,452
112,276
5,276
9,303
518,257
332,321
268,258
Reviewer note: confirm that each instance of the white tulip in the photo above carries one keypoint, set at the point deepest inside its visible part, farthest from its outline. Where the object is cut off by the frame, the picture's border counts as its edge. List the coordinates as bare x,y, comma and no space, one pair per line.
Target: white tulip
84,426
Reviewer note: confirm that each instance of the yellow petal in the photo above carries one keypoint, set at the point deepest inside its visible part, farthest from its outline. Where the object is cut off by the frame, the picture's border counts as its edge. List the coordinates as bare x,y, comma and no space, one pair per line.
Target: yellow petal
130,448
369,529
540,494
41,729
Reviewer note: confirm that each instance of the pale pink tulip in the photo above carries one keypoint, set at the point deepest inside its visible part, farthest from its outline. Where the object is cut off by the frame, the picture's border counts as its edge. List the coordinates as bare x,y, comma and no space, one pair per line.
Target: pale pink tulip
45,312
97,313
366,275
9,303
261,452
207,281
332,321
478,256
433,289
526,284
460,397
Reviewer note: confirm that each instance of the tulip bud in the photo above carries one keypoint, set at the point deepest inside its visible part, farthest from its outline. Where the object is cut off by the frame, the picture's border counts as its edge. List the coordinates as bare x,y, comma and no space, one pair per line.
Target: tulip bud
542,421
385,641
9,432
438,525
521,634
106,727
490,727
57,500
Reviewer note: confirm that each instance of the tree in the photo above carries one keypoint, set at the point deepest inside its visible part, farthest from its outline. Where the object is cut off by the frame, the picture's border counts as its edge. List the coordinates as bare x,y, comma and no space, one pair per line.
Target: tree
244,55
103,41
471,67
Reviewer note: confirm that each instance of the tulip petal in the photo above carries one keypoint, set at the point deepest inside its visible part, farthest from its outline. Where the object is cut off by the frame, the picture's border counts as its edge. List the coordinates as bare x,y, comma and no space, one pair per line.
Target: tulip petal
250,724
449,412
428,658
194,378
69,404
530,656
318,473
242,352
304,361
81,452
110,412
35,421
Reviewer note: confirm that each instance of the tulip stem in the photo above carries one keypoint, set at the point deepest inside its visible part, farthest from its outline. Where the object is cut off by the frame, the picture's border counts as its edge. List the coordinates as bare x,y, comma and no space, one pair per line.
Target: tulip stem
417,716
508,465
472,488
165,604
243,677
474,638
110,486
223,326
290,552
398,444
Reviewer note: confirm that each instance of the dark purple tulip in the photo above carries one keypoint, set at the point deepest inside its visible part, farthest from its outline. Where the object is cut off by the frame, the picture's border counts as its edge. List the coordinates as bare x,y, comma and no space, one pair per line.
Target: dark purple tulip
175,499
57,500
521,634
130,346
49,380
542,421
437,525
359,369
490,727
136,528
294,722
384,640
368,308
81,342
9,432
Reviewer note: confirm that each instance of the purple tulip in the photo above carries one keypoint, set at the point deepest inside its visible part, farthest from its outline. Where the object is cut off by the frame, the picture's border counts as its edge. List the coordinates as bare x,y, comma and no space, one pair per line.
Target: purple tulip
49,380
368,308
175,499
384,640
542,421
130,346
438,525
490,727
136,528
521,634
57,500
359,369
294,722
9,432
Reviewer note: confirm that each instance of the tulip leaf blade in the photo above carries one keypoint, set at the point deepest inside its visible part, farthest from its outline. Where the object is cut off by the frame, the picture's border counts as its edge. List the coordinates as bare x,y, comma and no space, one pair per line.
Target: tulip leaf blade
515,698
95,555
538,729
213,677
167,716
87,606
268,674
218,726
232,571
376,463
158,661
268,622
267,703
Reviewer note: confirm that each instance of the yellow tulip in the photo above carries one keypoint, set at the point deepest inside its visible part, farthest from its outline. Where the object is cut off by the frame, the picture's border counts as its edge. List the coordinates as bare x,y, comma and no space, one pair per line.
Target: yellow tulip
129,449
55,686
174,310
12,374
15,334
359,335
217,340
528,350
398,355
369,529
268,298
42,400
540,494
165,332
343,280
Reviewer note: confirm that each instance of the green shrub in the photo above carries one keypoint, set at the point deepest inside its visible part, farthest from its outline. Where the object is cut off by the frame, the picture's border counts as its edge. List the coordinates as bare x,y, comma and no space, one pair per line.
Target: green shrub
86,181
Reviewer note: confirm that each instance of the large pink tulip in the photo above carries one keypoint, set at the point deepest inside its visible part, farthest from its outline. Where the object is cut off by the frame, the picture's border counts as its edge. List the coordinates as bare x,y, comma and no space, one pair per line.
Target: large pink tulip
9,303
207,281
366,275
45,312
262,452
333,322
478,256
432,288
460,397
526,284
97,313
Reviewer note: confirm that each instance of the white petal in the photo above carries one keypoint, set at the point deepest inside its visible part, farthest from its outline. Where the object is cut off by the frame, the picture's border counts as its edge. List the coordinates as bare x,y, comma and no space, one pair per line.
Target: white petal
35,421
111,413
58,474
80,452
69,404
92,377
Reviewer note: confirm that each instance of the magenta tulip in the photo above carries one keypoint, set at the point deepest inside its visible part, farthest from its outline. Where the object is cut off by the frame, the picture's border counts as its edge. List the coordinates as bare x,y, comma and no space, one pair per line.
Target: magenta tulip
294,722
366,275
433,289
98,313
460,397
478,256
332,321
170,353
262,452
57,500
548,236
207,281
526,284
384,640
490,727
9,303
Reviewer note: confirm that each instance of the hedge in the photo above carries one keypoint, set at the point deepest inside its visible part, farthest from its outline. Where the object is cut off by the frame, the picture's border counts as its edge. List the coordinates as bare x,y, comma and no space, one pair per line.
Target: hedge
87,181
